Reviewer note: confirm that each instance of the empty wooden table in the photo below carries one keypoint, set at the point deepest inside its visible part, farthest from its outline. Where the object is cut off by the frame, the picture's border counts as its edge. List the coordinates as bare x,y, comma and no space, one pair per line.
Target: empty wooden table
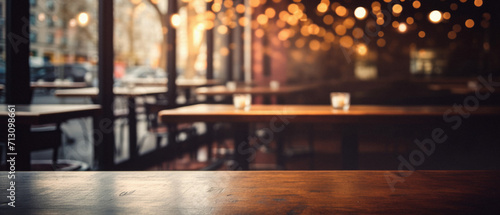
58,85
181,83
273,192
254,90
26,115
118,91
131,94
278,116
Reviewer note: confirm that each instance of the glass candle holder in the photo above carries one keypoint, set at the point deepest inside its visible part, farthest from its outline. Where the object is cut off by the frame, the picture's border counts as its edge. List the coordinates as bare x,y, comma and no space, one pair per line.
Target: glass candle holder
274,85
340,100
242,101
231,85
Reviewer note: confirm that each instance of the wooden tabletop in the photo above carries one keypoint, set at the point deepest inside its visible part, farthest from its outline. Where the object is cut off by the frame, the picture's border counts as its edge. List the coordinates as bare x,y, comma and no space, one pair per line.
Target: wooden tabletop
119,91
312,113
257,90
265,192
182,83
44,114
58,84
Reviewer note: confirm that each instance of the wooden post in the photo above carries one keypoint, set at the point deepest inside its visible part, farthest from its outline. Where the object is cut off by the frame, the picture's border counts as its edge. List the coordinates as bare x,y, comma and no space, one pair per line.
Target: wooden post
17,80
17,44
105,148
171,55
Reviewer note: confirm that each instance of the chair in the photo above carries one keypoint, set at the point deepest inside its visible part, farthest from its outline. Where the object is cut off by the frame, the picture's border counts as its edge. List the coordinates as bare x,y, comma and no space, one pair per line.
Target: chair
161,130
44,137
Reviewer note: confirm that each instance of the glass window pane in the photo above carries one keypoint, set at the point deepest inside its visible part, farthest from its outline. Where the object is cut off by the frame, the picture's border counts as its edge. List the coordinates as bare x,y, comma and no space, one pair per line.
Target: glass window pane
63,48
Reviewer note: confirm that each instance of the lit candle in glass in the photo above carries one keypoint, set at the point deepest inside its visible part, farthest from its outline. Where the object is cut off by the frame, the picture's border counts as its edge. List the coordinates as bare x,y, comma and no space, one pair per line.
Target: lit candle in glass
242,101
340,100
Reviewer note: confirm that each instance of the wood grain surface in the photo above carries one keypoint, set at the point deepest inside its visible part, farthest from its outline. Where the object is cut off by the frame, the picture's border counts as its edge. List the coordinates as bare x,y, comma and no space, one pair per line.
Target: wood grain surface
119,91
273,192
316,113
257,90
44,114
181,83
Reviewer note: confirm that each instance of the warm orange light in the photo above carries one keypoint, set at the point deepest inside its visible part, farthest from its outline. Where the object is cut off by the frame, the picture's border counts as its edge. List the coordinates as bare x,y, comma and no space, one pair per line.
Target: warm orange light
478,3
283,35
176,20
452,35
453,6
216,7
435,16
300,43
421,34
395,24
329,37
292,8
381,42
357,33
380,21
362,49
341,11
83,19
328,19
416,4
243,21
270,12
346,41
224,51
446,15
397,8
222,29
349,22
469,23
259,33
360,13
314,45
322,7
410,20
240,8
340,30
262,19
402,28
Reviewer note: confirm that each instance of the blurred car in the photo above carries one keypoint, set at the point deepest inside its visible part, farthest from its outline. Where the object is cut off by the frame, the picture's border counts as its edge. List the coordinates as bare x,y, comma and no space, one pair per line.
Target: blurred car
141,72
74,72
144,72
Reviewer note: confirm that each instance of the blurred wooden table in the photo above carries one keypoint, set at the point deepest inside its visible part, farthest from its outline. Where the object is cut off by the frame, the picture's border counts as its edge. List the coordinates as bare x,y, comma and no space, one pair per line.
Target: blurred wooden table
35,114
279,116
118,91
131,94
257,90
462,89
265,91
182,83
261,192
58,85
187,85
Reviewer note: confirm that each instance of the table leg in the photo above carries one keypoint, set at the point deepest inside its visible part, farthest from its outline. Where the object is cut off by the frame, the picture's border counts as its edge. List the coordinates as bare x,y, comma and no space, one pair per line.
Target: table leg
210,140
132,128
187,94
241,146
349,148
280,159
23,156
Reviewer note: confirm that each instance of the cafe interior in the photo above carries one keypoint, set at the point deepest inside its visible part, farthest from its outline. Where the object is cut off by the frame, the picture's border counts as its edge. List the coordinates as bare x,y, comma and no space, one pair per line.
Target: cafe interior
250,106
